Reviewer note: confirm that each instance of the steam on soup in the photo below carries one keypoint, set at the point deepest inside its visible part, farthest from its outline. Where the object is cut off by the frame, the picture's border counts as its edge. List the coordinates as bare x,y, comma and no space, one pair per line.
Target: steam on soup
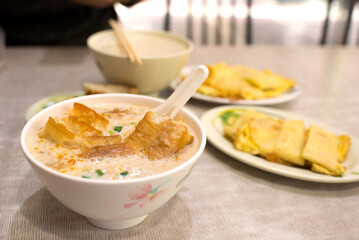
112,141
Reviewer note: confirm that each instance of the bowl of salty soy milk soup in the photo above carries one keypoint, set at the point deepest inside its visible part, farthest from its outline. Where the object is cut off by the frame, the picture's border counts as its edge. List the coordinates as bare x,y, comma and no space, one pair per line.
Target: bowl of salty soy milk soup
110,158
163,55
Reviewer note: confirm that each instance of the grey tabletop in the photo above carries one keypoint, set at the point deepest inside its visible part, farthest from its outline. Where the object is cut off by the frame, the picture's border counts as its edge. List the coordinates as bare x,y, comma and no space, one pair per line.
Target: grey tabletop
223,198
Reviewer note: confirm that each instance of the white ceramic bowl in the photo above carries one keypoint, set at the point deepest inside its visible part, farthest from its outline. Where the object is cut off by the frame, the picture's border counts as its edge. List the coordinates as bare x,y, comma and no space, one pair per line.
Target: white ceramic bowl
105,203
157,70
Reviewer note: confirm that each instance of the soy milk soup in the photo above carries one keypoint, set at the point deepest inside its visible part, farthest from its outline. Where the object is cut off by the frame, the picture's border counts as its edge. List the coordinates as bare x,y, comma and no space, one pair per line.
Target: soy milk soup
123,120
145,44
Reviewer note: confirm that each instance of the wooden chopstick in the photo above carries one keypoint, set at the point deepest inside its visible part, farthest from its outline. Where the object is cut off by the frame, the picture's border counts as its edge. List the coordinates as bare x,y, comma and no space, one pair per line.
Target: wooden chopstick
121,37
120,43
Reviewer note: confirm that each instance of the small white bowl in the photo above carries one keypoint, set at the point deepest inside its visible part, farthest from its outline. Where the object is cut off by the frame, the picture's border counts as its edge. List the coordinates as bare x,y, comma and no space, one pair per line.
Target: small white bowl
105,203
157,71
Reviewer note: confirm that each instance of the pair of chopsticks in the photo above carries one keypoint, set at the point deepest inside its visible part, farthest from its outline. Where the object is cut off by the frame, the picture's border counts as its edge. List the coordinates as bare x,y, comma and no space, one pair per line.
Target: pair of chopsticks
123,42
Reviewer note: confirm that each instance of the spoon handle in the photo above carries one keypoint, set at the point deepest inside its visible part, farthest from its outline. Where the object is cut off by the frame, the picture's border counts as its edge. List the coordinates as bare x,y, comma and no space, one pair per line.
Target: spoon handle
183,93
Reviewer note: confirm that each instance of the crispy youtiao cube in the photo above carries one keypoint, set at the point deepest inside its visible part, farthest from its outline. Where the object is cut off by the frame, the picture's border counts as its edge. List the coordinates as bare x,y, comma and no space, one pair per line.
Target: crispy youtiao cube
291,141
258,136
145,133
79,127
172,138
158,140
153,139
84,113
321,148
59,133
344,144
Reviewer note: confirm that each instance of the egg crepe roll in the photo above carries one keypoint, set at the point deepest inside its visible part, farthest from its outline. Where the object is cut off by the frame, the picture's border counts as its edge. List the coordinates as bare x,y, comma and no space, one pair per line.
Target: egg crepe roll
258,79
291,141
258,136
233,123
222,81
321,149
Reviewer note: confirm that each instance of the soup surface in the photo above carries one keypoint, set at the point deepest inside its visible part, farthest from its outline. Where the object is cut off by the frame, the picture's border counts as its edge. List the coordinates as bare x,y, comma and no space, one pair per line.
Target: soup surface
134,143
145,44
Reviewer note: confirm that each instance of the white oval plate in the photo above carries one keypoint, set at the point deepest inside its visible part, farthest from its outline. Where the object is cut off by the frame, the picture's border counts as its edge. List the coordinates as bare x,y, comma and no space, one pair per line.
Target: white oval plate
213,126
285,97
47,101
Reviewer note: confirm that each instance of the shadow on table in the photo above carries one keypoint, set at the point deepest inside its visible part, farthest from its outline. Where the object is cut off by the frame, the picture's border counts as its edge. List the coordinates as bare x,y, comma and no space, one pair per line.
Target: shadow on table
281,182
43,217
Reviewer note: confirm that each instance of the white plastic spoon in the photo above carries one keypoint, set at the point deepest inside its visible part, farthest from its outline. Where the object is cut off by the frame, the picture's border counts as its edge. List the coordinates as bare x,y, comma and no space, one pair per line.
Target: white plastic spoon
183,93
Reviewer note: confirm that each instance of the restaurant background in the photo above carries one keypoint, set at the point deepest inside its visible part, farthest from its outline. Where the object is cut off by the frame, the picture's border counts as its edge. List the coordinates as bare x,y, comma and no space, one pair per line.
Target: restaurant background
230,22
223,198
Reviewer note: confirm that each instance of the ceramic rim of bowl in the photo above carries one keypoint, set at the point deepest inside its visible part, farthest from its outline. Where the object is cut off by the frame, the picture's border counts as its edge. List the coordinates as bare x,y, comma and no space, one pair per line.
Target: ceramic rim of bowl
191,160
185,40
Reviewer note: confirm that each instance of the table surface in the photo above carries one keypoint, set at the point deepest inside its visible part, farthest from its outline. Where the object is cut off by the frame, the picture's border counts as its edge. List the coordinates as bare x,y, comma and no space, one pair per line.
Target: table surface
223,198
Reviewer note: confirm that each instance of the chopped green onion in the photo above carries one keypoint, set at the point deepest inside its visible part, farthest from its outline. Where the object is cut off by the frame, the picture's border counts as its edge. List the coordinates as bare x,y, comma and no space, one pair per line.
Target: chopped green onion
84,176
225,116
125,173
99,172
118,128
111,132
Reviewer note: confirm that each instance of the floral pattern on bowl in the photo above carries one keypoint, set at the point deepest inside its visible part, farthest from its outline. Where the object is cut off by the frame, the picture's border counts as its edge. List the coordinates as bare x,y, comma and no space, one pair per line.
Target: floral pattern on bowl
145,194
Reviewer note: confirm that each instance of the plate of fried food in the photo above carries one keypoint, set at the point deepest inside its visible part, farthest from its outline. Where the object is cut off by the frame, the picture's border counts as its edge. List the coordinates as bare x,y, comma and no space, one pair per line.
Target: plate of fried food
240,84
284,143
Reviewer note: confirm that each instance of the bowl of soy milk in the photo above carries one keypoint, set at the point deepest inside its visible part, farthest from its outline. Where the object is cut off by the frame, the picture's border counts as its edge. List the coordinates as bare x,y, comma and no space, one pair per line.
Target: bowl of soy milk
163,55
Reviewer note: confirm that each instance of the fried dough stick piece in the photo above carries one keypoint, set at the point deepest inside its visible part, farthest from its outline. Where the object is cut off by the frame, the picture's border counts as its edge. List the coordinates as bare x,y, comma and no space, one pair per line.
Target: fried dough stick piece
86,114
172,138
79,127
80,122
152,139
145,133
159,140
59,133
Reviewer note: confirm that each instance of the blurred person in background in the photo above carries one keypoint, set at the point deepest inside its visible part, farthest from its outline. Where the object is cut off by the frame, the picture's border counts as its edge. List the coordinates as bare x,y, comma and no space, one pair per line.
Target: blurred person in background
55,22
